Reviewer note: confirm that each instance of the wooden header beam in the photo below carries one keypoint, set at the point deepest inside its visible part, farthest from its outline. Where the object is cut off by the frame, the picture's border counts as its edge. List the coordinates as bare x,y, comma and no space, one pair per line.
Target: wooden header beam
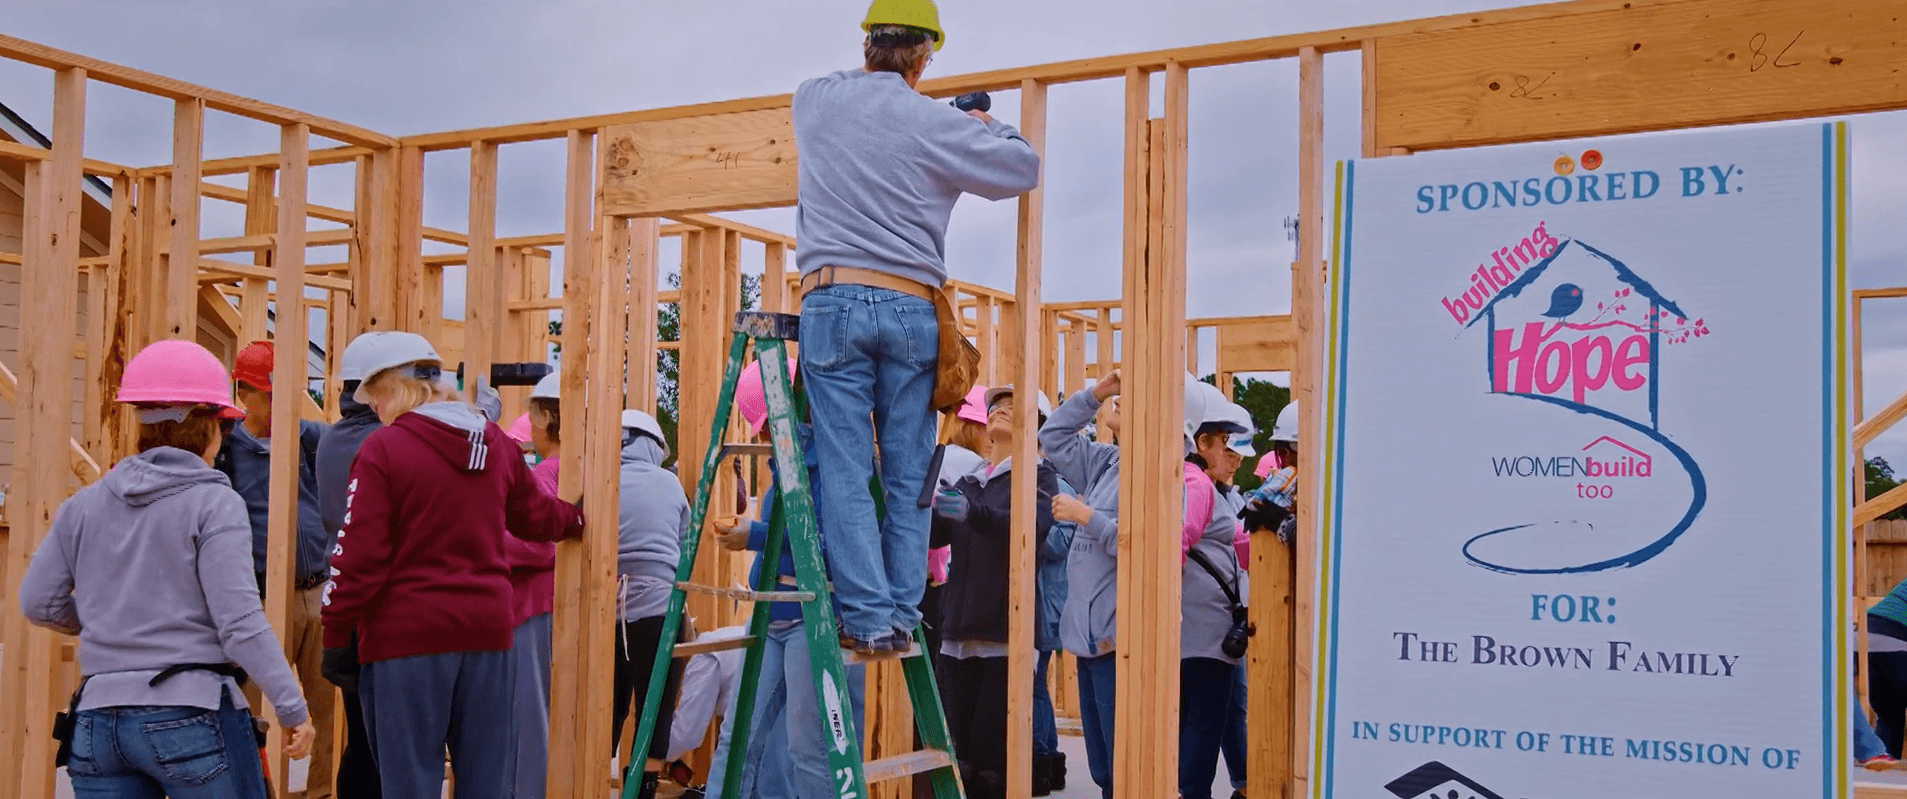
173,89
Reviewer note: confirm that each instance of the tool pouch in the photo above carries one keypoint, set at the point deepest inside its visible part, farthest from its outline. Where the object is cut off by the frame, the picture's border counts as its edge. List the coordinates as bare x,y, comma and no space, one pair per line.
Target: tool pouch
958,367
63,724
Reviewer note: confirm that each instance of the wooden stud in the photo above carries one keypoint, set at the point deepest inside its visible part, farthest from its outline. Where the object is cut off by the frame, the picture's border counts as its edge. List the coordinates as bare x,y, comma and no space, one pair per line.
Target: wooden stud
1021,606
988,343
483,281
569,701
261,217
601,470
188,138
704,338
700,164
1368,132
288,397
412,307
377,302
774,280
1307,311
49,284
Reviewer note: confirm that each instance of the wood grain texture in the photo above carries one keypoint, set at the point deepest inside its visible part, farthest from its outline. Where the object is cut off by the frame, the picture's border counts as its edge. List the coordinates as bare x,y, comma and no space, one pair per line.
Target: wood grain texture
1307,311
1029,364
1267,346
1650,67
569,700
188,140
724,162
287,404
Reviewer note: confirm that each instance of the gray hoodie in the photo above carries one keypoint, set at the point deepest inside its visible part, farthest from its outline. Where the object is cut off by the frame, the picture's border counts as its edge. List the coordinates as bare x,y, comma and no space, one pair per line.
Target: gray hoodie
152,567
654,514
1087,622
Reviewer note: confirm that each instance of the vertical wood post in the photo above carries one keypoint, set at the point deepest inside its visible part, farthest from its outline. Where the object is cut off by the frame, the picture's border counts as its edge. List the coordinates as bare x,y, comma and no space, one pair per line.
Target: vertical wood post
44,417
483,281
182,269
569,704
602,449
260,217
1146,729
408,212
704,340
1030,361
1307,305
288,397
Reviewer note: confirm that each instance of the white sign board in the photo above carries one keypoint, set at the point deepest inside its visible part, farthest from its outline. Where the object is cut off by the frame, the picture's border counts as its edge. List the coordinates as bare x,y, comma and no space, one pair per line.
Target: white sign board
1585,473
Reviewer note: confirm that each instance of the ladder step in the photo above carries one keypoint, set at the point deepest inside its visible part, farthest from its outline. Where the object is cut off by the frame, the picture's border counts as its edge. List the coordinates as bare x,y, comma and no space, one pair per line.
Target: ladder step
719,645
907,765
762,324
851,656
746,595
760,450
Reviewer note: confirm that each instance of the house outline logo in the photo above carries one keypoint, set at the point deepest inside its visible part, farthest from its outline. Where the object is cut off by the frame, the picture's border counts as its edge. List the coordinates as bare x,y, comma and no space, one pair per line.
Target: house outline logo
1418,782
1589,364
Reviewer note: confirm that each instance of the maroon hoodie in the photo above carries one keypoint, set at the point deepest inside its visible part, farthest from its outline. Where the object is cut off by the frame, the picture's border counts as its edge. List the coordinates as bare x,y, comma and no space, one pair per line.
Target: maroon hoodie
421,565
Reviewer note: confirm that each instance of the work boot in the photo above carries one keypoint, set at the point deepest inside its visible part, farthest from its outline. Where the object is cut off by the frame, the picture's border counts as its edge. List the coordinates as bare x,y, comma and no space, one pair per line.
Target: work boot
1042,775
1056,771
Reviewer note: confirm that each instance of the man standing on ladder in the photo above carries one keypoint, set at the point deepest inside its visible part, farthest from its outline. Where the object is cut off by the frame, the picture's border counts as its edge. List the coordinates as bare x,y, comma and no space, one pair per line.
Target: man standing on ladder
881,166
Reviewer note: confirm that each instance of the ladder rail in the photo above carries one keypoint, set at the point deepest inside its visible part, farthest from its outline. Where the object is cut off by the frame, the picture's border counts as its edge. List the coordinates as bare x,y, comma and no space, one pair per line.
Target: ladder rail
678,599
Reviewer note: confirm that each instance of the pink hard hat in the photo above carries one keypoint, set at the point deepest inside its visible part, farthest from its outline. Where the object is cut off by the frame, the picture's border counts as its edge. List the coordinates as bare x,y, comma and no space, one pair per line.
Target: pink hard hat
974,408
176,372
520,429
751,398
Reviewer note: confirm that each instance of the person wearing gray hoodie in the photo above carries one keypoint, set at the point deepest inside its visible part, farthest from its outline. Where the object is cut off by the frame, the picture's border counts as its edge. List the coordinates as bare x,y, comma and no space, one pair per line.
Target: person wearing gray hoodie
1087,623
151,567
654,515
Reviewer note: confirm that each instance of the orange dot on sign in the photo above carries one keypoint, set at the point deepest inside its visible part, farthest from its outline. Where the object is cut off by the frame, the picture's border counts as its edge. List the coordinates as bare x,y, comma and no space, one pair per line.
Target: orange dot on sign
1564,165
1592,159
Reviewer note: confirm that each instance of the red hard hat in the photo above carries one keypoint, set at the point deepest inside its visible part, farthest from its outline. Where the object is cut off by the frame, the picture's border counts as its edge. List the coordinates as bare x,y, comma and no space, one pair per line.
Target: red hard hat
253,365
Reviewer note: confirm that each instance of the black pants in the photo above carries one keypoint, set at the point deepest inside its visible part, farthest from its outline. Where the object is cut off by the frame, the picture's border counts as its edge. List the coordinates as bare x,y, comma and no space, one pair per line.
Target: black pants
973,692
634,664
1887,692
357,769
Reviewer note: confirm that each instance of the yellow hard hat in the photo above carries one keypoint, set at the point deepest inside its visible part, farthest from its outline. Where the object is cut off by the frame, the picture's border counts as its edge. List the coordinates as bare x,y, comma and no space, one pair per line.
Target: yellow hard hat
920,14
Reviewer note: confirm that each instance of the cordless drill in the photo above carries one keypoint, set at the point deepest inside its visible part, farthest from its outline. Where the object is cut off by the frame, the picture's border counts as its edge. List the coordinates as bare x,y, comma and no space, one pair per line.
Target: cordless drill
974,101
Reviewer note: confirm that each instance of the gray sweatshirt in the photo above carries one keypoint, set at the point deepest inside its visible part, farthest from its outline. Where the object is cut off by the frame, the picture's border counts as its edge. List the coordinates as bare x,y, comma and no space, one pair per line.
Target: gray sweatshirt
1087,621
653,516
152,567
880,168
1205,613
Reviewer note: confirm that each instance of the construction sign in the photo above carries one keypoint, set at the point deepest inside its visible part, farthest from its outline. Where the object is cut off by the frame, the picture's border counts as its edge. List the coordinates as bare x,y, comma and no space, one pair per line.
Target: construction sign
1585,472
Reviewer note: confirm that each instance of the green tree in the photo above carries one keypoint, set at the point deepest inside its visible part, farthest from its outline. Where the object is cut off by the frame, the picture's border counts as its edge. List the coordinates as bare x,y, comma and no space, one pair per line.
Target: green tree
1880,480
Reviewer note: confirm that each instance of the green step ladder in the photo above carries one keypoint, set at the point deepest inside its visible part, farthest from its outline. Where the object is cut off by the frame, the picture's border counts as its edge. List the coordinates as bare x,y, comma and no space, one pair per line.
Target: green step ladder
792,522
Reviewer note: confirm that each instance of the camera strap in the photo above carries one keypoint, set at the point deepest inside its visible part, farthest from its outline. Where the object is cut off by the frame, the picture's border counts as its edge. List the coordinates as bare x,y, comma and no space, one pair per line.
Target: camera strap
1231,594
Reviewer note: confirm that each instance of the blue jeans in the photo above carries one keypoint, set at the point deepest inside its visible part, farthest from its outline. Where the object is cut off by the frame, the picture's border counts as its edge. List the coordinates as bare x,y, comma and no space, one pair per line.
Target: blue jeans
1233,744
787,758
1096,691
1205,698
415,706
870,353
155,752
1866,743
1045,727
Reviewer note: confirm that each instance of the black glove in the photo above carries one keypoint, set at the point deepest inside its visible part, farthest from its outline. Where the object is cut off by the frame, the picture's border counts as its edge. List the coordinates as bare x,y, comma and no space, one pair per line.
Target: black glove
1263,516
341,667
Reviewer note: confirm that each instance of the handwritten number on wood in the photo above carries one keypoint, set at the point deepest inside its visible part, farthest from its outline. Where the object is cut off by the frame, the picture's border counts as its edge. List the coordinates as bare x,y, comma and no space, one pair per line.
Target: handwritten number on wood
1523,90
1759,59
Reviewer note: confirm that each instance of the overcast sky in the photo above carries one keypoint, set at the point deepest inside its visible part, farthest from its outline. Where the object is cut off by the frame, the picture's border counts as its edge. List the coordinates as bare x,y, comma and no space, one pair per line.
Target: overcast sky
415,66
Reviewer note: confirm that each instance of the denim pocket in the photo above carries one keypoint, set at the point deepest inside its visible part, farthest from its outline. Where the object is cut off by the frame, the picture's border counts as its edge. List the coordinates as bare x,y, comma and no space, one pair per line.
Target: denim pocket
190,750
824,333
921,326
82,761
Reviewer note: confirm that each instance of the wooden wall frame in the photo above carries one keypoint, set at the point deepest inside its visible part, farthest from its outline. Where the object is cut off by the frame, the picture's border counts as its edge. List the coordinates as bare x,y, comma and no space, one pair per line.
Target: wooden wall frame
1627,65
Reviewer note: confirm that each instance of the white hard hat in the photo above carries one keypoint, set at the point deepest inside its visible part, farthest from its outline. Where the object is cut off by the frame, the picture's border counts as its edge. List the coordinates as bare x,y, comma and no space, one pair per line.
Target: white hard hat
640,422
372,353
1286,427
1237,423
355,363
1195,399
1045,405
551,387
